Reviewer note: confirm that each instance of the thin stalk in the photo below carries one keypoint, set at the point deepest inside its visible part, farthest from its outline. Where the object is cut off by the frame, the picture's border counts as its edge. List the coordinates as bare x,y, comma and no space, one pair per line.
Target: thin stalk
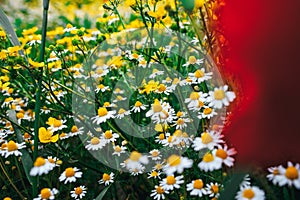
11,182
38,94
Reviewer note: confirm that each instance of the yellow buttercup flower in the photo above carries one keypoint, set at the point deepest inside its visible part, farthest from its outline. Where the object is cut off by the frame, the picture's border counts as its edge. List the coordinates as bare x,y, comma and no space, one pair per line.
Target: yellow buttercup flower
45,136
35,64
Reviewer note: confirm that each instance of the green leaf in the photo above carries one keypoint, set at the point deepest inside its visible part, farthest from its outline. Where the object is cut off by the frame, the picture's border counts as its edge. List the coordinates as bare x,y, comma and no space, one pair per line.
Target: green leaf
26,158
6,25
102,193
231,187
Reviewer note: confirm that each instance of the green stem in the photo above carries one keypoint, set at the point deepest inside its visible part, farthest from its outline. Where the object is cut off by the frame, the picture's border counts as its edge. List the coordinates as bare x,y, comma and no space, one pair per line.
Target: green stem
38,94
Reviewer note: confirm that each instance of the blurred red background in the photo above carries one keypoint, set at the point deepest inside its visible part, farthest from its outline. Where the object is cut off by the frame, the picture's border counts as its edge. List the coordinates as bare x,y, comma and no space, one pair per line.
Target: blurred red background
264,55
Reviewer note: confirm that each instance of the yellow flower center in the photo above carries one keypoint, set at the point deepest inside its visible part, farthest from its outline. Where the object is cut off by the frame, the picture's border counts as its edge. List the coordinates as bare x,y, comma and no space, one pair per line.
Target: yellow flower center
162,88
26,136
180,121
121,111
160,190
171,180
3,146
291,173
200,104
206,138
118,149
45,193
106,177
12,146
39,162
102,112
155,153
108,134
135,55
214,189
70,172
248,193
207,111
135,156
170,139
174,160
192,59
199,73
20,115
161,136
51,160
198,184
208,157
95,141
177,133
221,154
194,96
154,173
156,106
74,129
57,123
138,104
158,166
219,94
78,190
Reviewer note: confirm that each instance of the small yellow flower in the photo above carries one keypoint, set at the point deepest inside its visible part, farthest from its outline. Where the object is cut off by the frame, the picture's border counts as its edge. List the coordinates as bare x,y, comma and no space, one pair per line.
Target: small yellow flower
35,64
45,136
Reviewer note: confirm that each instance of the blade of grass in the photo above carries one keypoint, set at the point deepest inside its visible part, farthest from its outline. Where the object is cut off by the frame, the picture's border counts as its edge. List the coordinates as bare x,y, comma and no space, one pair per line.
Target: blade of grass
8,28
26,159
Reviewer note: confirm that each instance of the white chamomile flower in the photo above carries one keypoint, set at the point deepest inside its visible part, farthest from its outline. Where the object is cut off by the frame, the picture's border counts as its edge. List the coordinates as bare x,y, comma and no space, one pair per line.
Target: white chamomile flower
101,88
107,179
11,148
208,139
41,166
119,98
118,150
289,176
196,188
213,189
176,163
158,193
138,106
70,175
171,182
199,76
47,193
274,175
250,193
195,98
220,96
137,170
56,124
109,136
103,115
95,144
75,131
210,162
154,174
155,73
155,154
118,91
193,61
78,192
207,113
136,159
225,154
122,113
69,28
